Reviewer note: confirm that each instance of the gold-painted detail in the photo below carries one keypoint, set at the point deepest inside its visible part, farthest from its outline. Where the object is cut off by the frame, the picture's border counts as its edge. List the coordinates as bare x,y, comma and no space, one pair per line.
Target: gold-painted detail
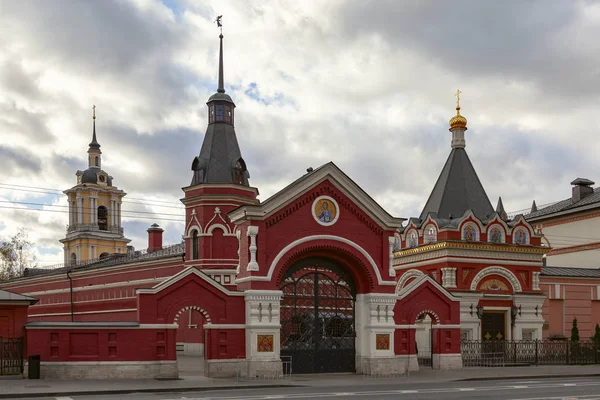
472,245
523,277
465,274
493,285
499,336
488,336
458,121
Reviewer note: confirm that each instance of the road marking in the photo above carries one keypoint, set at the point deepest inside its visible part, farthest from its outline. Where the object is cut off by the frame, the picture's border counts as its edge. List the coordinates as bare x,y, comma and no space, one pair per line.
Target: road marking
569,384
408,391
63,398
467,389
520,387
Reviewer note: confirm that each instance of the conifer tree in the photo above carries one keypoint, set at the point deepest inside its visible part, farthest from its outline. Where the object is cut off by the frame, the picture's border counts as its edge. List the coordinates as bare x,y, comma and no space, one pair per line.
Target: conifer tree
574,331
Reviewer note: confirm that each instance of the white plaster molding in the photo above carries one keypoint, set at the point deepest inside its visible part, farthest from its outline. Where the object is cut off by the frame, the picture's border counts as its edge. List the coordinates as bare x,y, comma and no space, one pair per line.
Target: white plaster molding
305,239
181,275
337,210
535,282
192,308
431,313
524,258
252,233
412,286
496,270
224,228
224,326
449,277
238,235
411,273
391,242
192,228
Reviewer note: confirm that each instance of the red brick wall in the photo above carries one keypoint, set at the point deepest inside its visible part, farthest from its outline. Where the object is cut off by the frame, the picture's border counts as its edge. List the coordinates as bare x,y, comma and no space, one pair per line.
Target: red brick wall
101,344
12,320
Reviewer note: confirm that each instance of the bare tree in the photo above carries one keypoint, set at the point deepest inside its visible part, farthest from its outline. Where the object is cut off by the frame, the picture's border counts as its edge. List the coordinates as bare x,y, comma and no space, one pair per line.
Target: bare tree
16,254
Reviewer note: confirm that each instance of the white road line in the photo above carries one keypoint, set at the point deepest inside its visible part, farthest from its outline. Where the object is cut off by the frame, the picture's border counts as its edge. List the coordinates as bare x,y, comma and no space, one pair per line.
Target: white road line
408,391
63,398
520,387
569,384
467,389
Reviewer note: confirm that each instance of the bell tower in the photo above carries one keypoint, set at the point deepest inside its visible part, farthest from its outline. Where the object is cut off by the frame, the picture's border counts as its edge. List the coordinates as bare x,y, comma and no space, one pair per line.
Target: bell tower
94,230
220,183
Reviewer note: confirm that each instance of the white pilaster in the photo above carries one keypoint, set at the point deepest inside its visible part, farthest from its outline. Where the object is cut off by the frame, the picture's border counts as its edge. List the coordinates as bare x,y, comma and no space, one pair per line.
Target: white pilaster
530,322
80,210
449,277
238,235
119,214
535,283
252,233
263,326
391,241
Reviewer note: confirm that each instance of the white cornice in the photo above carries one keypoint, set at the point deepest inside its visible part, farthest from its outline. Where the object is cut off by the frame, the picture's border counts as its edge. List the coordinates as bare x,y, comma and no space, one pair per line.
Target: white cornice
338,179
465,260
417,282
183,274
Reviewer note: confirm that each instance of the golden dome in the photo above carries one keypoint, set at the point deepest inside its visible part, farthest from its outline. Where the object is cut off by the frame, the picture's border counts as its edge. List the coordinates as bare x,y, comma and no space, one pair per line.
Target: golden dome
458,121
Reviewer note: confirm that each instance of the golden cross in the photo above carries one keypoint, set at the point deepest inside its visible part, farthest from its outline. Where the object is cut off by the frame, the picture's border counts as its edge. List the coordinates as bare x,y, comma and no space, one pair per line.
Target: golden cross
94,108
457,94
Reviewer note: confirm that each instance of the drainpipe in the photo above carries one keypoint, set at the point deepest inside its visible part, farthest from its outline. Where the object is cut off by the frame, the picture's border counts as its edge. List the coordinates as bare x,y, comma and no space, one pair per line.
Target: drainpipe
71,292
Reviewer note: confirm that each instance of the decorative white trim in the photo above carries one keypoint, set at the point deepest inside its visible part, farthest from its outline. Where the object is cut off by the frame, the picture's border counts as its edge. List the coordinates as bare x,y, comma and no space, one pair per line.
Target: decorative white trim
502,229
449,277
411,287
411,273
330,172
391,242
83,312
190,308
431,313
224,228
186,272
192,229
107,326
305,239
337,210
224,326
535,281
252,232
496,270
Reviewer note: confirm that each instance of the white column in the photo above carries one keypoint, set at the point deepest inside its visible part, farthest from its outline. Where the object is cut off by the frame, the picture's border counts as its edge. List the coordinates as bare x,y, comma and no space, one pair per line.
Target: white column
78,252
113,218
391,241
79,210
93,214
375,328
238,234
263,327
252,232
90,253
119,214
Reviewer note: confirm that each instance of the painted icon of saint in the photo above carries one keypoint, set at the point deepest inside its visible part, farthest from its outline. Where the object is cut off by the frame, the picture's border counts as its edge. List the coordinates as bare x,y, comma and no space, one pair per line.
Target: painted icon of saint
325,214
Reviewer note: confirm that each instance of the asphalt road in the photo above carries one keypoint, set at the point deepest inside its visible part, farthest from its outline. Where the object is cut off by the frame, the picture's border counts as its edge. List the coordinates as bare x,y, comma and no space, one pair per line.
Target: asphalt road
551,389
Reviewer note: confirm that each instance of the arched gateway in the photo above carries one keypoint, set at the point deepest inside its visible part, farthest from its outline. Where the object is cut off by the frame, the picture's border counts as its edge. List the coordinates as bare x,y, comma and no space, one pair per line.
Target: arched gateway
317,317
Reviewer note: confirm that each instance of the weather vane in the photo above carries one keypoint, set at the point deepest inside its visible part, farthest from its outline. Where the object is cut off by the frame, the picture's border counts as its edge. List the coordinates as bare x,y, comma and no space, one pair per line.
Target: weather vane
457,94
219,23
94,111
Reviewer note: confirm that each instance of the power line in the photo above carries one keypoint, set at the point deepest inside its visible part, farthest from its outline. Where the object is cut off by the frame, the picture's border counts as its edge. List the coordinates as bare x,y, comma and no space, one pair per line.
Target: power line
66,212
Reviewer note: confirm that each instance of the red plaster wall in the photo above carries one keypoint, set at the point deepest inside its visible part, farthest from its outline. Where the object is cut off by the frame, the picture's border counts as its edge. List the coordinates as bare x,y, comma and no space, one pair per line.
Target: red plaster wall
104,344
225,344
187,332
12,320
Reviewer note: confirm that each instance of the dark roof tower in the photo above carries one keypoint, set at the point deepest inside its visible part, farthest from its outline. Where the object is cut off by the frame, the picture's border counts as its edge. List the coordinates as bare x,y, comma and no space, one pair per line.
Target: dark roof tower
500,210
220,159
458,188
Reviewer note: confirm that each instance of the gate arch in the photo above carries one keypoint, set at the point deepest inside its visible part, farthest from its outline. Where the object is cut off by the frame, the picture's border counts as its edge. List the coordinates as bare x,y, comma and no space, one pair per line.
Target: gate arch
317,316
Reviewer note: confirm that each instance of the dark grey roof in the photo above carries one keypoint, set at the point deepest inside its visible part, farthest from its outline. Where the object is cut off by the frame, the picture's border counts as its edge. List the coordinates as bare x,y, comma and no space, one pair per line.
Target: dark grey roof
5,295
94,145
571,272
221,97
565,205
218,157
457,190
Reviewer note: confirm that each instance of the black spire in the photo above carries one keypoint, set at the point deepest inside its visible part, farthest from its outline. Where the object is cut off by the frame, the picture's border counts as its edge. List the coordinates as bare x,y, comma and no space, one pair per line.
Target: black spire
533,207
500,210
221,88
94,145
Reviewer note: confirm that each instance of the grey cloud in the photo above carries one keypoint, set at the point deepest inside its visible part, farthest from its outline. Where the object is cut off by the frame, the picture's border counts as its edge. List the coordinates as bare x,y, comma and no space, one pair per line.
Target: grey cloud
15,121
18,161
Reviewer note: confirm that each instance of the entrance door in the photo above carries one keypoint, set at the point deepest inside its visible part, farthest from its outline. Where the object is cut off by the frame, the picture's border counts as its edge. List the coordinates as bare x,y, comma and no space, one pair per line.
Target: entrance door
317,317
493,325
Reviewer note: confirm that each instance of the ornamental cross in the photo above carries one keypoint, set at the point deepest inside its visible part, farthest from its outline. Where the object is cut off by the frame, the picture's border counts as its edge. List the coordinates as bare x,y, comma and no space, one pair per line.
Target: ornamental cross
457,94
94,112
219,23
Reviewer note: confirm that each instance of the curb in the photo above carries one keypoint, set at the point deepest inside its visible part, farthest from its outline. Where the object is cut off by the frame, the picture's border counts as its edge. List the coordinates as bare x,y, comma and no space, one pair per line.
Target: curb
522,377
130,391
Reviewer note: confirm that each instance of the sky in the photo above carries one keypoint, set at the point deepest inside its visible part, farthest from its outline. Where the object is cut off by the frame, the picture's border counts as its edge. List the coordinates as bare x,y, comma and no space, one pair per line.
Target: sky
366,84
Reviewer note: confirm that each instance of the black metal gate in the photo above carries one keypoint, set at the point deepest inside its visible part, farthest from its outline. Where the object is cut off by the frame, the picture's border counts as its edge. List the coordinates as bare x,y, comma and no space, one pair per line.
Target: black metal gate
317,317
11,356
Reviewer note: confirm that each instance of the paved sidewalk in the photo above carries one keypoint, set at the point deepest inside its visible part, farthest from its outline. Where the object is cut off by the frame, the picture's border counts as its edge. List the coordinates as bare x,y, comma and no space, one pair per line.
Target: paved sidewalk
191,381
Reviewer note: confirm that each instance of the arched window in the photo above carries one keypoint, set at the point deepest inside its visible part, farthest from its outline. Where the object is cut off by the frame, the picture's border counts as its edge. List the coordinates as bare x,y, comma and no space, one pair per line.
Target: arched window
104,255
73,260
219,112
195,246
96,161
238,172
102,218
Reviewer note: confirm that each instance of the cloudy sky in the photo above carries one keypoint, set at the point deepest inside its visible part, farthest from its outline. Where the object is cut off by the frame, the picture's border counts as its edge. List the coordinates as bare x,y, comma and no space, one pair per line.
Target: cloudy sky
366,84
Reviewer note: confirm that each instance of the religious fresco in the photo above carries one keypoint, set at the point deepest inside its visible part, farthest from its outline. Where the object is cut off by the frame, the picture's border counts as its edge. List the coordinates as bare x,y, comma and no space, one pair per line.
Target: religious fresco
382,341
495,235
521,237
469,233
494,285
264,343
325,211
397,243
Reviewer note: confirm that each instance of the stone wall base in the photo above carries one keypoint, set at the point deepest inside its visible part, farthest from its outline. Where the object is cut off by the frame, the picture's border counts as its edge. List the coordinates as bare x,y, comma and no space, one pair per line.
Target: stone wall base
107,370
447,361
242,368
395,365
191,349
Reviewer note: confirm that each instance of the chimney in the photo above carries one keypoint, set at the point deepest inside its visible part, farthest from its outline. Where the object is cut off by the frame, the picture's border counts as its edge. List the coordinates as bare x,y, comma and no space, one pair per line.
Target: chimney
581,188
155,237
